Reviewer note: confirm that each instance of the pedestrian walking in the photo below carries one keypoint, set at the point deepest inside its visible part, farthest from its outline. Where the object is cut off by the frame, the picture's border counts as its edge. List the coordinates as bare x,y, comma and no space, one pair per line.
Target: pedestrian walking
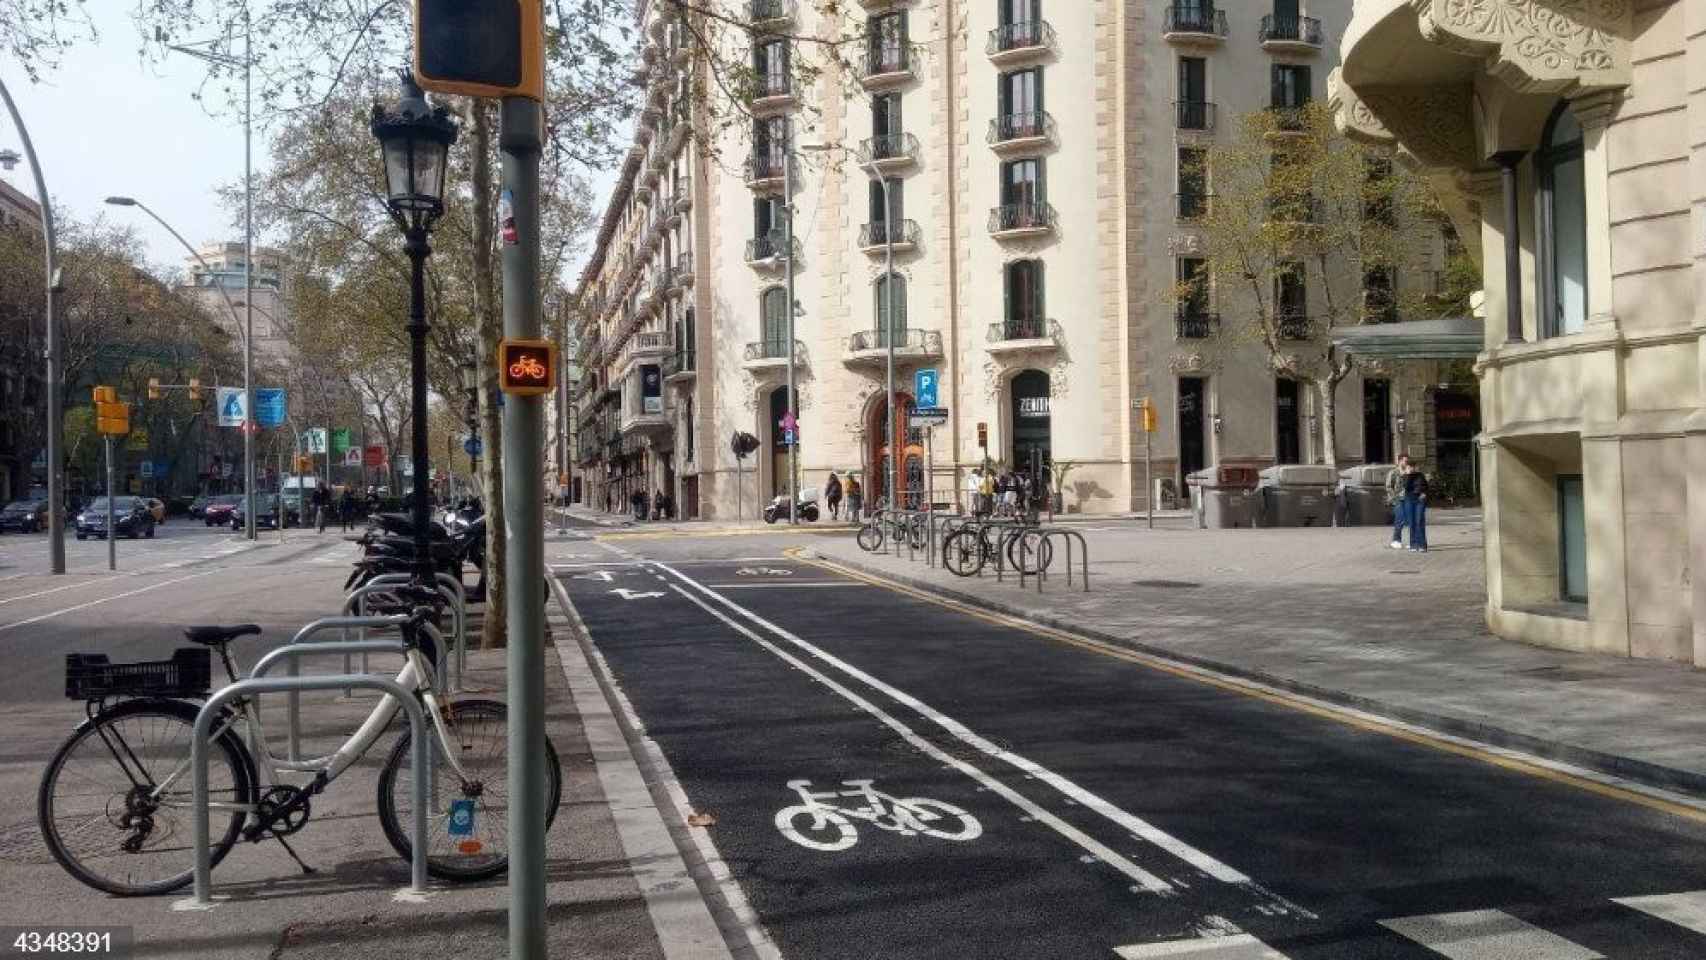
986,492
1395,499
832,495
855,497
660,507
974,480
346,509
637,500
1416,507
321,501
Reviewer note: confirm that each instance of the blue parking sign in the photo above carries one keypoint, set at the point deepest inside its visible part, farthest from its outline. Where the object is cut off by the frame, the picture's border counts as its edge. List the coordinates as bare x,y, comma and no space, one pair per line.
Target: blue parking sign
924,387
269,407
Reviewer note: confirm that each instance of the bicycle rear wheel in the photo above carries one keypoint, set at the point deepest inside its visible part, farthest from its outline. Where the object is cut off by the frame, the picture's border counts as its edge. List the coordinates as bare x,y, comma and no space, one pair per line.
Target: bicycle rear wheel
1030,553
97,809
963,553
871,537
467,822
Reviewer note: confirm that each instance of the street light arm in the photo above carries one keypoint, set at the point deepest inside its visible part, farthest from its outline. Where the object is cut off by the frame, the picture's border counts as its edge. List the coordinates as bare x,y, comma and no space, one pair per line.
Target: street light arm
132,202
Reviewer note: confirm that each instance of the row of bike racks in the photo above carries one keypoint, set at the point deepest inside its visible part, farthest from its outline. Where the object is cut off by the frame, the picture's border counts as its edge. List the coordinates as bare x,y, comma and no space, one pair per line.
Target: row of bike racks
294,685
940,526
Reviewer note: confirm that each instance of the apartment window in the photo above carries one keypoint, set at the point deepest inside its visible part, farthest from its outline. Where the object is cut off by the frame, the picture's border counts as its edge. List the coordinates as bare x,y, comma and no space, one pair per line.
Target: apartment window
770,140
1288,439
886,42
774,306
1020,96
1380,295
1193,108
1193,182
1023,290
887,286
1291,301
1022,183
1561,225
1291,88
687,429
896,211
885,115
766,227
770,65
1192,274
1020,11
1572,540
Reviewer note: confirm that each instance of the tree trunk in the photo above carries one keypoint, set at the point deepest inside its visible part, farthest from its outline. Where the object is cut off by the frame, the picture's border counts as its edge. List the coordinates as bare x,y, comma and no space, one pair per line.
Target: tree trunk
489,318
1327,389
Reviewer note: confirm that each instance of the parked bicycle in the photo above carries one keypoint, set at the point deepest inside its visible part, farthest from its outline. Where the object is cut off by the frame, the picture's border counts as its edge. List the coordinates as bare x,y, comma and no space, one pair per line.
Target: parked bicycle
114,803
971,546
884,524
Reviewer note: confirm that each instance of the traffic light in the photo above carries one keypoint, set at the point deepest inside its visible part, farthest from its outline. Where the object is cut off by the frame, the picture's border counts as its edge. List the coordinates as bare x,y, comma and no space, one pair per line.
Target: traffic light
527,368
111,417
983,435
481,48
195,388
153,388
304,464
1149,420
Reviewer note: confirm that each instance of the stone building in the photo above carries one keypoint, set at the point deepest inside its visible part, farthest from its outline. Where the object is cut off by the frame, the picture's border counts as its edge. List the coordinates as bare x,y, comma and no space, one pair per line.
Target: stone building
1568,134
1039,218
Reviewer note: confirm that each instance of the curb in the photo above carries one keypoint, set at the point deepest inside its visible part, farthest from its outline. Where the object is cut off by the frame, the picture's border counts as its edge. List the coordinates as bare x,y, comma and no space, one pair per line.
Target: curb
1629,768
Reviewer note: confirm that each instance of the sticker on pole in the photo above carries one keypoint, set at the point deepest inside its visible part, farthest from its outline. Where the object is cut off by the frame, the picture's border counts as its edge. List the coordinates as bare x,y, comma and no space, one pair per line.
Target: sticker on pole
506,219
461,818
819,822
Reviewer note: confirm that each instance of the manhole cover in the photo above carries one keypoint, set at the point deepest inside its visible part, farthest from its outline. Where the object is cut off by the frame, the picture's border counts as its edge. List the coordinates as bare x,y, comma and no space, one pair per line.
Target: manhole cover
1168,584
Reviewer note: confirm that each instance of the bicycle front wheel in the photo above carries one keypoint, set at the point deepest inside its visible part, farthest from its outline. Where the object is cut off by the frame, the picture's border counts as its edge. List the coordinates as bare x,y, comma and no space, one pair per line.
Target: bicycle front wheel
114,804
871,537
963,553
467,820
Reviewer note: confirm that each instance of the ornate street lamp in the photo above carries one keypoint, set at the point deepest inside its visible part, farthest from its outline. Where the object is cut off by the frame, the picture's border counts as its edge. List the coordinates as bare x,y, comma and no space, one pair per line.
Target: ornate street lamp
415,138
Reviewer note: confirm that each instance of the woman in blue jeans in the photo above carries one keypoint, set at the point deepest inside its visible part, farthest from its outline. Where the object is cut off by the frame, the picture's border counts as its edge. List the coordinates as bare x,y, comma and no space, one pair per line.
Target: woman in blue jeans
1414,507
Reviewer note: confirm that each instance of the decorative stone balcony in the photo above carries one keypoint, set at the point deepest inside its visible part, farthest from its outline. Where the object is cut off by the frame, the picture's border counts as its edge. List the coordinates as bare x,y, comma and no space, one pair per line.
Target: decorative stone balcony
870,348
765,253
1023,336
680,367
769,15
770,356
1014,44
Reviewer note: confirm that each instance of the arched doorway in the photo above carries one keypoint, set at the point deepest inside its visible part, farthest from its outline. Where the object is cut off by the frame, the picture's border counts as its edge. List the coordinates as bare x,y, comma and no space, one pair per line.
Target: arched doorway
911,444
1032,421
778,449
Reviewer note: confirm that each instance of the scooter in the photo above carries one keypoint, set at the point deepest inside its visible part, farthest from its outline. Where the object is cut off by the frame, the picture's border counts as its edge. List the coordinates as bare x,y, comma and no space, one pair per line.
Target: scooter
806,509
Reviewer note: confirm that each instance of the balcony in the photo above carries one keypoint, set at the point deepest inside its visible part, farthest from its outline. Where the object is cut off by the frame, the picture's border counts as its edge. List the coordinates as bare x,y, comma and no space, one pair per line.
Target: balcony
1196,325
1193,115
871,347
895,151
683,275
1019,221
1290,34
1194,23
1013,44
765,253
1289,120
637,422
772,93
1021,132
1293,324
878,235
642,190
769,356
765,171
769,15
884,66
1192,207
650,345
679,367
1027,335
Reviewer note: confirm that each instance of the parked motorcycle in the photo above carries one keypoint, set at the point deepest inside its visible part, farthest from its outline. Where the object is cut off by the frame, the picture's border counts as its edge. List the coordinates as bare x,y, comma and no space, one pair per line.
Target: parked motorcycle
806,509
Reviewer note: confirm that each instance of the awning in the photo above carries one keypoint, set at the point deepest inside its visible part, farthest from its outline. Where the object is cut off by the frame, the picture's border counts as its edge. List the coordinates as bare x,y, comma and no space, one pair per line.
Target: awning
1447,338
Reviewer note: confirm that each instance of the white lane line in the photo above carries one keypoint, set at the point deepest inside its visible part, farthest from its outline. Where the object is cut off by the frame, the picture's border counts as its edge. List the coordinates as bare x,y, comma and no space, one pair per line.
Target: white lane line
785,584
95,603
1127,821
1687,910
652,849
69,586
1238,946
1487,935
1148,881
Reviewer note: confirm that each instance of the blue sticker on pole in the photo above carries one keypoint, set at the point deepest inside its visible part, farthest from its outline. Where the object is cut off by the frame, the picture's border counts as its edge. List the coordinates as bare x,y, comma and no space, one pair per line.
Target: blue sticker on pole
462,818
472,446
269,407
924,386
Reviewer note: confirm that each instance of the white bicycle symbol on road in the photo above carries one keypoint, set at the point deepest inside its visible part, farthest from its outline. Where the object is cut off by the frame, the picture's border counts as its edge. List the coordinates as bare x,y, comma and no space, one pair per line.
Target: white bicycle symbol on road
764,572
819,825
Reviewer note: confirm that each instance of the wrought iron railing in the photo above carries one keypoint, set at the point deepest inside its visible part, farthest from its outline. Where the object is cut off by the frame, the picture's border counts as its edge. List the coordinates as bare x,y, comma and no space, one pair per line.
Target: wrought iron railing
1298,29
774,349
1196,324
1193,114
765,165
764,11
1030,215
892,146
770,247
1030,328
772,84
1293,325
1021,35
1024,125
1192,206
880,233
881,58
1195,18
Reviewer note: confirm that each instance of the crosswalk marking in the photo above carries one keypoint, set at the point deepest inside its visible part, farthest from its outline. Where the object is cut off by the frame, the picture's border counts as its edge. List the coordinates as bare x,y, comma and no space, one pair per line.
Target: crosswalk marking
1487,935
1238,946
1687,910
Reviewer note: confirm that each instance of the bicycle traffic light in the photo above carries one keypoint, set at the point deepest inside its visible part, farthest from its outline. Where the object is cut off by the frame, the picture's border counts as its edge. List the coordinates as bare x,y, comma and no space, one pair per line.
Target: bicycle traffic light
527,368
481,48
153,388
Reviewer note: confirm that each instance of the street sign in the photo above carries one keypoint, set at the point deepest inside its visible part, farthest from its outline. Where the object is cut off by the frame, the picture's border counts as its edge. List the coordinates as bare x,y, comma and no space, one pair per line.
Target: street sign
225,471
927,417
374,456
472,446
146,469
788,438
232,412
315,439
352,457
527,368
924,387
341,441
788,422
270,407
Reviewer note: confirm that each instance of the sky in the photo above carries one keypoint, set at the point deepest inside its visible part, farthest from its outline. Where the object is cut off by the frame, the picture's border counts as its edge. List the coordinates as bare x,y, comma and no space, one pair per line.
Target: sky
108,122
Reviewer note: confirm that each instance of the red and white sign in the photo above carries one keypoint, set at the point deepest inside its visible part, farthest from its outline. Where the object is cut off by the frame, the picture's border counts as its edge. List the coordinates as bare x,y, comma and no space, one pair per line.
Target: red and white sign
374,456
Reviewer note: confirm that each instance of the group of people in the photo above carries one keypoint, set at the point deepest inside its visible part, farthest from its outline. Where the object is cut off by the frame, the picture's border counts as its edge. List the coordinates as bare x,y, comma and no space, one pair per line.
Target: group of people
1003,492
834,491
659,506
1407,492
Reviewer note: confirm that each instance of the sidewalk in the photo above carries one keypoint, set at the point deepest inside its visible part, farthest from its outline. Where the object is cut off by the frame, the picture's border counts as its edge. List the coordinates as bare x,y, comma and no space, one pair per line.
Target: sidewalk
627,524
1336,614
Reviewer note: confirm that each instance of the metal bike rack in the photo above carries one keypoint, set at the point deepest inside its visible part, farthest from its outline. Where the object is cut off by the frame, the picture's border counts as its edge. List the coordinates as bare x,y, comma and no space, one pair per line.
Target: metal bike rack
214,707
448,587
294,710
1066,536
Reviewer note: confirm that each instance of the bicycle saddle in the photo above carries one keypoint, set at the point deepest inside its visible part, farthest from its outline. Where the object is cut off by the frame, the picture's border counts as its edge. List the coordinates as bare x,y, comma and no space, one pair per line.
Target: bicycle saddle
213,636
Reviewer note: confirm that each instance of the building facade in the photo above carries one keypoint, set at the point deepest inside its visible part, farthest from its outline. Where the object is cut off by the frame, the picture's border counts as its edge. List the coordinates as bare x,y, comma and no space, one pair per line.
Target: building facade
222,278
1025,166
1568,136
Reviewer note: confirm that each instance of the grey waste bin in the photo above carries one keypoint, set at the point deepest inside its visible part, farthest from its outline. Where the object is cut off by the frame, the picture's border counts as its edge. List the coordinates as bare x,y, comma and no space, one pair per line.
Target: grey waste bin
1297,495
1362,495
1223,497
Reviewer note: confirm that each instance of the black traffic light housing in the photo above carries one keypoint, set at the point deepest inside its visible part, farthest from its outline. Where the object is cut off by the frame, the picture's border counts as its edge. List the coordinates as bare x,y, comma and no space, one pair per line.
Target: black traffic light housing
743,444
481,48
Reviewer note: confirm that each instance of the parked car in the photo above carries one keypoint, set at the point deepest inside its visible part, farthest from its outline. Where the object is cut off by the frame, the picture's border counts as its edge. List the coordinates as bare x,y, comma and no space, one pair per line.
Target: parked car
217,510
24,516
266,512
198,506
157,508
131,518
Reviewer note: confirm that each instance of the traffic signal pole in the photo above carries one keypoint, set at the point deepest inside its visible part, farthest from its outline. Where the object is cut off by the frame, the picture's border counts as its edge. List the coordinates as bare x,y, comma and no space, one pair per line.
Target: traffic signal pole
520,139
112,531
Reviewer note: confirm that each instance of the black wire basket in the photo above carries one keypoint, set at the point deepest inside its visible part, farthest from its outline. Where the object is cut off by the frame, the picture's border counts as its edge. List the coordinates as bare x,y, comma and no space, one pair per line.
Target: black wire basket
90,676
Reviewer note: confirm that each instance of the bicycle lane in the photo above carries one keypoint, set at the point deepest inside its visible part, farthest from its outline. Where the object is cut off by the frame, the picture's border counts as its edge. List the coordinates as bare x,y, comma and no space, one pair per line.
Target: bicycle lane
741,721
1352,824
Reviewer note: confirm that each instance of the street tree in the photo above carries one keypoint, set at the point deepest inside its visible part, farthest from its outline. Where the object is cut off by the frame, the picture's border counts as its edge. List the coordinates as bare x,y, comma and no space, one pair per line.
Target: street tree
1301,232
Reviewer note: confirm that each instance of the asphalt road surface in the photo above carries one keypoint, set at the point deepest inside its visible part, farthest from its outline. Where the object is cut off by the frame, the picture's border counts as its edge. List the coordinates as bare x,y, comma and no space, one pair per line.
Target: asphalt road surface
891,777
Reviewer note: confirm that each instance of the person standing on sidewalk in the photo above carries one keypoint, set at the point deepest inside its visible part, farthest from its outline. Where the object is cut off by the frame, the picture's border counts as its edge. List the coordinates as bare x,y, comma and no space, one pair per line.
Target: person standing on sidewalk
1395,500
832,495
855,497
1416,507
